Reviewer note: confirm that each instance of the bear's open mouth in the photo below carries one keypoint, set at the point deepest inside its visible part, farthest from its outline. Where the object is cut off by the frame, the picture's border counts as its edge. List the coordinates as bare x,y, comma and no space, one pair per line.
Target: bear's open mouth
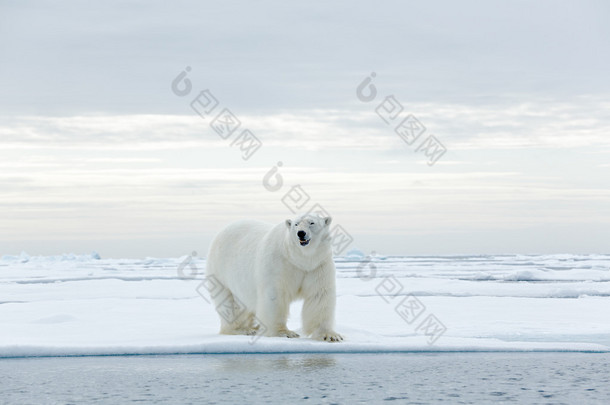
304,242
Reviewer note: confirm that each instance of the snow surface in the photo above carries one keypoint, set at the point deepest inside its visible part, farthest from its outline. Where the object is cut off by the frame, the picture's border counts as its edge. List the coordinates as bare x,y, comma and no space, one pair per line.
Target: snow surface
83,305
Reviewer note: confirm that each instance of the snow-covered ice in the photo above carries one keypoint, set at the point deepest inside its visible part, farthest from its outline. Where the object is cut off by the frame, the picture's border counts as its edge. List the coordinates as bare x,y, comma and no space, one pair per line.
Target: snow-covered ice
84,305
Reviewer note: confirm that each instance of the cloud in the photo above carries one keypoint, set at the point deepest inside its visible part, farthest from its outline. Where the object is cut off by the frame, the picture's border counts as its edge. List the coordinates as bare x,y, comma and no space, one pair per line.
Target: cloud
93,142
532,124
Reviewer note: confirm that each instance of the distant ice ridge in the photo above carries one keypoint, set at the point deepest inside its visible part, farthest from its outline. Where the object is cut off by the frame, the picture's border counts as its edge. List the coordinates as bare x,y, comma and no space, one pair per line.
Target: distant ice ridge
84,305
355,254
24,257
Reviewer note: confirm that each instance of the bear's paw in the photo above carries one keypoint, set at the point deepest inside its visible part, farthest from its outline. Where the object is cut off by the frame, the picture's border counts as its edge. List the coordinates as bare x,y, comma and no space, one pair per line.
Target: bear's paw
331,337
288,333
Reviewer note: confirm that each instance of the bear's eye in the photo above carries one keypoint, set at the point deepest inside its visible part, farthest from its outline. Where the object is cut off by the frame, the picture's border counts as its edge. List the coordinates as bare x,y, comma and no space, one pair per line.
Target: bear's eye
296,224
311,223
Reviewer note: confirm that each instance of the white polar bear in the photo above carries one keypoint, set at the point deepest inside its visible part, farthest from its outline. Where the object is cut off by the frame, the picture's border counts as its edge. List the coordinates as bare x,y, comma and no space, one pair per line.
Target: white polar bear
255,270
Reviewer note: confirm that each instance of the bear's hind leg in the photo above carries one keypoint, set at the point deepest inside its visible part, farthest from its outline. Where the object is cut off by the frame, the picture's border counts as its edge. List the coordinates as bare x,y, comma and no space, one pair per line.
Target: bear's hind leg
235,319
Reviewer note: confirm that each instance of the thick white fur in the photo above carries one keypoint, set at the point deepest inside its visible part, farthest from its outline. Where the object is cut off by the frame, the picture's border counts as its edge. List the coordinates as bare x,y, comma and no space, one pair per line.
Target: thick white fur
264,268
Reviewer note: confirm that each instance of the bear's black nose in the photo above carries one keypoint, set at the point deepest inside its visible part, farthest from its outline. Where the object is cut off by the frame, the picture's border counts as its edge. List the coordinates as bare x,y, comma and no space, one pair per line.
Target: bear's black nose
301,234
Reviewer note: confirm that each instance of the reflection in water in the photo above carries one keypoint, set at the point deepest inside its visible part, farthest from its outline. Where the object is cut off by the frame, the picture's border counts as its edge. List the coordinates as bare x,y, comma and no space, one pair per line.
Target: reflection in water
346,378
274,362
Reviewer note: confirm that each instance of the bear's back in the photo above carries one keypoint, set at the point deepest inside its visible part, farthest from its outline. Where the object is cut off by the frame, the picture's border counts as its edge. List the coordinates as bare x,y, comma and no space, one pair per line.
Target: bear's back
238,242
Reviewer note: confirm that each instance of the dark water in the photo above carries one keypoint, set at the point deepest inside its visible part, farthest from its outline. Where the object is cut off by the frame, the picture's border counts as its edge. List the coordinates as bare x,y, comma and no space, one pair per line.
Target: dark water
455,378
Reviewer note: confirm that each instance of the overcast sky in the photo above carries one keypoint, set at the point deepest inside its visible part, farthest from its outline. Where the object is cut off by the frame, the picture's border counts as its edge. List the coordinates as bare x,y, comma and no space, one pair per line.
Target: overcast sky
98,153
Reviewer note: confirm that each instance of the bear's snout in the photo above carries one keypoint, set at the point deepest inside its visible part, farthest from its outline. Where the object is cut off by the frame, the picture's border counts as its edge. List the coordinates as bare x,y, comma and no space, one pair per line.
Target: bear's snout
303,241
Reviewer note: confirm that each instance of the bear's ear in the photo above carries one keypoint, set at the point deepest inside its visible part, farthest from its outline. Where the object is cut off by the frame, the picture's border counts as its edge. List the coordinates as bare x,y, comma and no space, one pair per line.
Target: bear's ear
288,223
327,220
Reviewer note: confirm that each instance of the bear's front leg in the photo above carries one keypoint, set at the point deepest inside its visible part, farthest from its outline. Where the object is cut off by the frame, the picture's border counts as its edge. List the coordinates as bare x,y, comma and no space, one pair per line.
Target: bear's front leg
319,315
272,312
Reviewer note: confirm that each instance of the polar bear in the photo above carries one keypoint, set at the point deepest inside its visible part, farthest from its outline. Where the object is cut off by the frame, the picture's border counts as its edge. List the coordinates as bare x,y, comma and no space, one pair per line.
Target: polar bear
254,270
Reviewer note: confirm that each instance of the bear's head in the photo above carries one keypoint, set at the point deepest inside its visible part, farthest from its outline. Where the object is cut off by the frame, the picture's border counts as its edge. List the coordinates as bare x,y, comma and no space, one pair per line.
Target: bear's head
308,230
